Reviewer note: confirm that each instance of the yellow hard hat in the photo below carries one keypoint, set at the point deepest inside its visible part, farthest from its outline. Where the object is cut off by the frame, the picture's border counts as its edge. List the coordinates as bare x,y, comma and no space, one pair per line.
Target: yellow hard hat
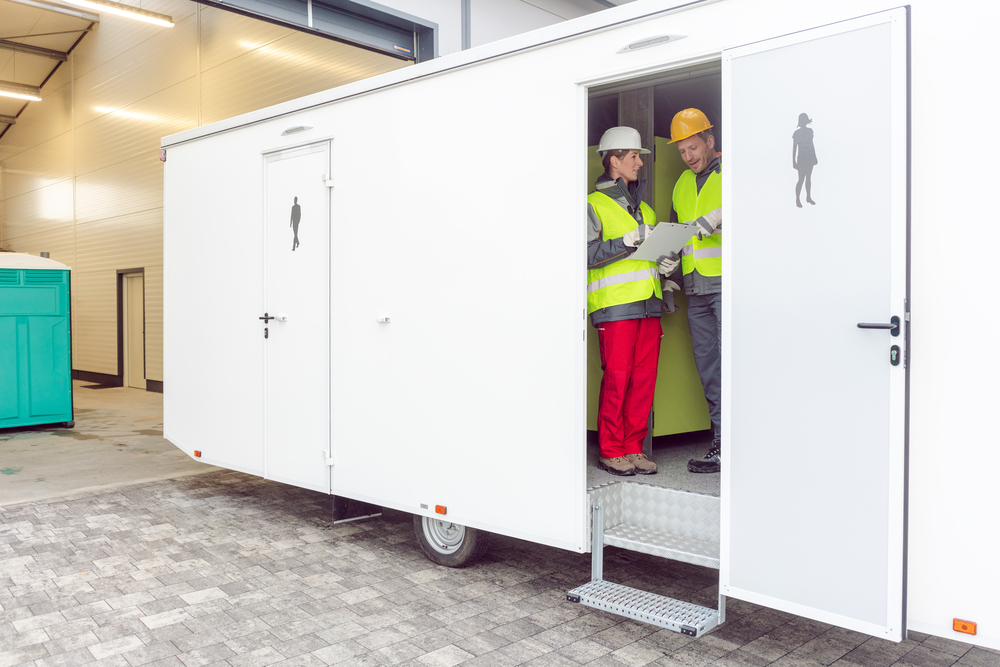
686,124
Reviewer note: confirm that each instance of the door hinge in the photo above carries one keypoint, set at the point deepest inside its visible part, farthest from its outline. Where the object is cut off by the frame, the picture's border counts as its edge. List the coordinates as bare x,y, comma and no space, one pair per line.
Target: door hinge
327,181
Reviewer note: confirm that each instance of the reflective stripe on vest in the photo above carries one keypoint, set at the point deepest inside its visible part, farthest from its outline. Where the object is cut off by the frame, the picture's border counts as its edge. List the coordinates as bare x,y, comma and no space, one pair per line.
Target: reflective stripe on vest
627,280
704,255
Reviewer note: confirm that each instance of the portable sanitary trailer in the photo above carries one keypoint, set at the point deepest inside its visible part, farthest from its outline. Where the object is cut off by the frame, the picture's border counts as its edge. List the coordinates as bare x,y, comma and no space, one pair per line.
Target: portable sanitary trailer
378,292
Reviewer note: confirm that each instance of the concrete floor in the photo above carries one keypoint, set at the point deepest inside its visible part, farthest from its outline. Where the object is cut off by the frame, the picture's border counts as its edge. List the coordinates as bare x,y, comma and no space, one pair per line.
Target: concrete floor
120,553
118,440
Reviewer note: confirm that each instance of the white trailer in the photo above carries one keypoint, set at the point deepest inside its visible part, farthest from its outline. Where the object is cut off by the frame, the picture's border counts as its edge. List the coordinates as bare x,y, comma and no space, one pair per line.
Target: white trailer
430,347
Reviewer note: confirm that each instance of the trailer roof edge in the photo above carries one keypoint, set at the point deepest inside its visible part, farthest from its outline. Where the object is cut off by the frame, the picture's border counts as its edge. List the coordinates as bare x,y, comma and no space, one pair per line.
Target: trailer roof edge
597,21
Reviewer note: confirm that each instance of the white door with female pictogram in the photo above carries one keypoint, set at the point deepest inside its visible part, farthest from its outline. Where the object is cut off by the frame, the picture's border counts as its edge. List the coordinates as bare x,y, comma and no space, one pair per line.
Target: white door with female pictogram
814,323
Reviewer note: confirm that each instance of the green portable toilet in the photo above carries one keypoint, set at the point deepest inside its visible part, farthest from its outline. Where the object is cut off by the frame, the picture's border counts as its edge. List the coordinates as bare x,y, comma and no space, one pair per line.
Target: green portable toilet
35,352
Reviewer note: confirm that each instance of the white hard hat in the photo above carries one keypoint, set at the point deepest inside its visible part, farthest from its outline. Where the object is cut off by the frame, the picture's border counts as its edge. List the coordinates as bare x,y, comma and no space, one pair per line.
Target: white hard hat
621,139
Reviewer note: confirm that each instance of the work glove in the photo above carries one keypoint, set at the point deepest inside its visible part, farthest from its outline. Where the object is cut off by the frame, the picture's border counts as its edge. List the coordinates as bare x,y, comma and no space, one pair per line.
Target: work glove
669,286
708,223
635,237
667,264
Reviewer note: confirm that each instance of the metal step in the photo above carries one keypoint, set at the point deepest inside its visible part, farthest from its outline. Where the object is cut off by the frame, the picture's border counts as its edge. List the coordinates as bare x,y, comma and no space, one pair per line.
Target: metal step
659,521
684,617
664,545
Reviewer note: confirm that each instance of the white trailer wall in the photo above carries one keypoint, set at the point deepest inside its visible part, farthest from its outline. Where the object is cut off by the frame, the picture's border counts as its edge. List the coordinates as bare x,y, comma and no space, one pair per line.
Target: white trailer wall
455,162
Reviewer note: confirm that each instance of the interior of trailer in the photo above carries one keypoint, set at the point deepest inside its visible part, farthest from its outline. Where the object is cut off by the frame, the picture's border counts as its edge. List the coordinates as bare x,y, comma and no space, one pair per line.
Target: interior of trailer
681,426
673,514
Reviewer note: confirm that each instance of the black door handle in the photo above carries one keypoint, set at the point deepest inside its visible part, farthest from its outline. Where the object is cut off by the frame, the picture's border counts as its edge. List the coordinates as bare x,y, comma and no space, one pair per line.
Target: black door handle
266,318
892,325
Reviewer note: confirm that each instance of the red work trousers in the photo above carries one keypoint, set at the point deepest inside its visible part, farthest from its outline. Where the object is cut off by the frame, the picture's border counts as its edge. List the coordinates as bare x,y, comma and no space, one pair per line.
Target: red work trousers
630,351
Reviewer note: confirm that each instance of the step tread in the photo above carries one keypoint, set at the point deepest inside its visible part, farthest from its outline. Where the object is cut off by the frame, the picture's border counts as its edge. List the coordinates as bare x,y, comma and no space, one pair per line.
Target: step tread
684,617
664,545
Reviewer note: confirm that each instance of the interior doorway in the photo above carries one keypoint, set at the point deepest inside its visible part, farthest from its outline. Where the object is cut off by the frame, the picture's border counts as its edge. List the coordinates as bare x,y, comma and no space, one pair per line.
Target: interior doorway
680,424
133,331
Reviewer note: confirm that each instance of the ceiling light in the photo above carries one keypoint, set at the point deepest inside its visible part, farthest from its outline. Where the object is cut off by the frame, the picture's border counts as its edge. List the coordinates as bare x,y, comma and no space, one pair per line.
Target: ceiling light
20,91
125,10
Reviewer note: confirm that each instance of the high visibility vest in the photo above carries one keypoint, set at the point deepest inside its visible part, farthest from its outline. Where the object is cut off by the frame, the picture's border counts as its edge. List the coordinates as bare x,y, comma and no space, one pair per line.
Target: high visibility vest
627,280
689,204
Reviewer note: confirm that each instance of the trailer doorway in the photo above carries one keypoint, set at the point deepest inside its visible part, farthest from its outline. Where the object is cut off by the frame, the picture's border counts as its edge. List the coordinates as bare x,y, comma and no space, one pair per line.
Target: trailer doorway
680,425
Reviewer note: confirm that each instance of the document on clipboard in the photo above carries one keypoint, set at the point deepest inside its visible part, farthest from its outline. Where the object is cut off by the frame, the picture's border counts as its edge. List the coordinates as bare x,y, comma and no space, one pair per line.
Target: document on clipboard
666,238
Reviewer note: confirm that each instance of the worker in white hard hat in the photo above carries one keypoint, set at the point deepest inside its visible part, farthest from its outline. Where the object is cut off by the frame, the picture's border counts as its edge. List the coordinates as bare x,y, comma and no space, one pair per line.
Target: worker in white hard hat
697,198
624,302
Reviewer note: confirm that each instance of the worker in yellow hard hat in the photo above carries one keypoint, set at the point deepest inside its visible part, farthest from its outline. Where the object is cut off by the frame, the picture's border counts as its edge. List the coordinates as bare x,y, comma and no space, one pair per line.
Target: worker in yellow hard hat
697,198
624,303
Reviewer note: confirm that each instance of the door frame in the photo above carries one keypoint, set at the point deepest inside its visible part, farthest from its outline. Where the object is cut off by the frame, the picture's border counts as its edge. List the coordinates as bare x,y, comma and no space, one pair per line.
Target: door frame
120,297
268,156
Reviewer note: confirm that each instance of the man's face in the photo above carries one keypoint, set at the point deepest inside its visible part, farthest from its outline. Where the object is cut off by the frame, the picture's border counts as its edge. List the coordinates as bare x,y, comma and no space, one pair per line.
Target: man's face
628,166
696,152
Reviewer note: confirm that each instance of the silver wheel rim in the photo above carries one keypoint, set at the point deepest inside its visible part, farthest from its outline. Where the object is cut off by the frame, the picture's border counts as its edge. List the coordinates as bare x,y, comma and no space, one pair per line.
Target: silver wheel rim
444,537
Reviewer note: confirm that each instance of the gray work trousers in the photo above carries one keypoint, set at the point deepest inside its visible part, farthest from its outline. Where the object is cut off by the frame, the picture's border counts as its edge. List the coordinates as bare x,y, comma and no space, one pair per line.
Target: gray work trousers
704,313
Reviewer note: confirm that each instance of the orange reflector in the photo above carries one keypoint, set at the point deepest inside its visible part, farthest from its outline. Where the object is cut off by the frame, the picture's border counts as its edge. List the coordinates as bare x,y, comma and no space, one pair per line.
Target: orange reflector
440,509
197,453
968,627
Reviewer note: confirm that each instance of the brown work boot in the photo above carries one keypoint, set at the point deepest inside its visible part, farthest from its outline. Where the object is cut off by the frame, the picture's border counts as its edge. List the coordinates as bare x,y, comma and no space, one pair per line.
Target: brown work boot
618,465
643,466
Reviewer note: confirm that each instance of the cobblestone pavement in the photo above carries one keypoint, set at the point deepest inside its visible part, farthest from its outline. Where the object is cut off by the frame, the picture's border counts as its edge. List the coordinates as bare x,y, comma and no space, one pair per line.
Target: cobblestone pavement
228,570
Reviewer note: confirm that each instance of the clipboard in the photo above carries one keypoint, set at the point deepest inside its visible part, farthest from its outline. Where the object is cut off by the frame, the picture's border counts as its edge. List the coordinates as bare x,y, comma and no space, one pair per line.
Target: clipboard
666,238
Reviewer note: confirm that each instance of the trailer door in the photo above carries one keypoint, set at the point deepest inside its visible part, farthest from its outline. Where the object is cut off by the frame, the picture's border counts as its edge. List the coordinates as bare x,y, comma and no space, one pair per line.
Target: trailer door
813,480
297,297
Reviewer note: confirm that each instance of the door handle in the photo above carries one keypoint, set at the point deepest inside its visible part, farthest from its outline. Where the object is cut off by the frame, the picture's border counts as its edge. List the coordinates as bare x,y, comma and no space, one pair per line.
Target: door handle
266,318
892,325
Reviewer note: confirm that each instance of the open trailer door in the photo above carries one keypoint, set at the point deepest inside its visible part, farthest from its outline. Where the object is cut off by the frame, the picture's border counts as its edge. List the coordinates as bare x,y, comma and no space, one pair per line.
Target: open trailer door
814,430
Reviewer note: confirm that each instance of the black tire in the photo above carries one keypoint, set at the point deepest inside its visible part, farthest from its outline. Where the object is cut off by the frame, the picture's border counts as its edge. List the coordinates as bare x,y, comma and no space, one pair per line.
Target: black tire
68,424
450,544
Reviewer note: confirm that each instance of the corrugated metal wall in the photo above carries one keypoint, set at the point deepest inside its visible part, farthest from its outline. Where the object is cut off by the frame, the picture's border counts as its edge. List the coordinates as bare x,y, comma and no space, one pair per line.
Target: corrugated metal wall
80,175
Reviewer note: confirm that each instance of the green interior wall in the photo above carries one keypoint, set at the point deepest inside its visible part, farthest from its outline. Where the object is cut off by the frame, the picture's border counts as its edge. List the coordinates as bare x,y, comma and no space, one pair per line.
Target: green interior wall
679,404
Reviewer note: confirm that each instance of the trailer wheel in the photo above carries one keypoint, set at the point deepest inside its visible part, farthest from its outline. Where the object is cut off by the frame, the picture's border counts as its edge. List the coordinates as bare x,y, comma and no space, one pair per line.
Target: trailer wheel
448,543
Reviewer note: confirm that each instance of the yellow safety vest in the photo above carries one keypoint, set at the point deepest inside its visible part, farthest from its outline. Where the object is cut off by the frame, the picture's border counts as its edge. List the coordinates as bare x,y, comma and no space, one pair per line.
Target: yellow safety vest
704,255
627,280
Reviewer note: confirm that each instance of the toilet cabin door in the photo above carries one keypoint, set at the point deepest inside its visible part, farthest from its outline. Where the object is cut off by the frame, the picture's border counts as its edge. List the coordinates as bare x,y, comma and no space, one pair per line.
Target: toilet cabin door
815,323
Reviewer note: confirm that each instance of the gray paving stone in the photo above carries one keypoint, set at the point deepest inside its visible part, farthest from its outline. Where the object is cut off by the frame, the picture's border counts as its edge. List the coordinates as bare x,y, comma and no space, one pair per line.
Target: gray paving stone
925,656
151,653
74,658
943,645
980,657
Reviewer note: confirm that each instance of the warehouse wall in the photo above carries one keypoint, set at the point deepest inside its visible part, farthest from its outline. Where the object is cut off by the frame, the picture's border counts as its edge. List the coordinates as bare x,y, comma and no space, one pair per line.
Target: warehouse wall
80,175
491,20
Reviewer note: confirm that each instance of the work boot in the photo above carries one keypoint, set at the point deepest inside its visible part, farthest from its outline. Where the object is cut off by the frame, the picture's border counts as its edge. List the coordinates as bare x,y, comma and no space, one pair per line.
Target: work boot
712,462
618,465
643,466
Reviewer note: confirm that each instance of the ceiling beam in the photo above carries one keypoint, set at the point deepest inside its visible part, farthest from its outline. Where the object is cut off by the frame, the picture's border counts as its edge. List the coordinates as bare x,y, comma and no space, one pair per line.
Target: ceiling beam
60,8
34,50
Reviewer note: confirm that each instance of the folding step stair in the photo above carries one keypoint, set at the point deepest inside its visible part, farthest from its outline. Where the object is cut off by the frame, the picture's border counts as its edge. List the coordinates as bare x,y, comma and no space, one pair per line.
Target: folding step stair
662,522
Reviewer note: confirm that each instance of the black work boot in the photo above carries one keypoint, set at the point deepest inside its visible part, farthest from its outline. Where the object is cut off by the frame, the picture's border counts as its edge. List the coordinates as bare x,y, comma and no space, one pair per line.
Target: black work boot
711,462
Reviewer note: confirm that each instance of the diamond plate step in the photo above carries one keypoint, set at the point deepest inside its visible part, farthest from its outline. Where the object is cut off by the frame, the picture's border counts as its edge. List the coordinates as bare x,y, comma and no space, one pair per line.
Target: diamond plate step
664,545
684,617
662,522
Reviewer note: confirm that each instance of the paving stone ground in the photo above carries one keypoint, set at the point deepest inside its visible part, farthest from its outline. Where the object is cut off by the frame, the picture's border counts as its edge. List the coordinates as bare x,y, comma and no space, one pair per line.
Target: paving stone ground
227,570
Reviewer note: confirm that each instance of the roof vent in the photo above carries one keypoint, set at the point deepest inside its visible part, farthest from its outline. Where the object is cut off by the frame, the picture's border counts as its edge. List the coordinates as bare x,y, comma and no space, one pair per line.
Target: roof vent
650,41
